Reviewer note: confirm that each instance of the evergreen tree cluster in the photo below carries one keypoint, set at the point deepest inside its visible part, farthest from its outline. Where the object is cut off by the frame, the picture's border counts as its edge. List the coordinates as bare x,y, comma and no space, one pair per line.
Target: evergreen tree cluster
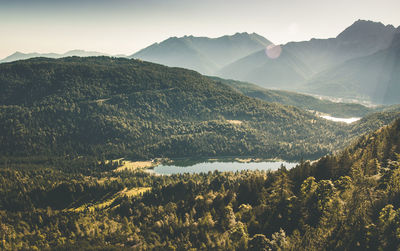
346,201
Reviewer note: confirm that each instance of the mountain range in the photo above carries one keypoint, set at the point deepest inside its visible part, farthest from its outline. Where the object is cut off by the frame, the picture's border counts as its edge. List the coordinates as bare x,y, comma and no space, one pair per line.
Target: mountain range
360,63
205,55
79,53
375,76
312,66
306,66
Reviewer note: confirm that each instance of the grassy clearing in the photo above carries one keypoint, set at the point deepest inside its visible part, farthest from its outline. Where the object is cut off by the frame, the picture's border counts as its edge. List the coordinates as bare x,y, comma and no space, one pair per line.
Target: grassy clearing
135,165
104,179
136,191
235,122
111,161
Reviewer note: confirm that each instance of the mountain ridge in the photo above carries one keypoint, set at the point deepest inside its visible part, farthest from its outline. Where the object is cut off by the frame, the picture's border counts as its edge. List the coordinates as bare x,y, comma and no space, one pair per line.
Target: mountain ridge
77,52
361,39
202,54
268,72
372,77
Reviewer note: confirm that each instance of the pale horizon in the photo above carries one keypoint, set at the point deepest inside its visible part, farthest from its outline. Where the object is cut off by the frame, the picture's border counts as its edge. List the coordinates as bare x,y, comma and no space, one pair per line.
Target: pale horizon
125,27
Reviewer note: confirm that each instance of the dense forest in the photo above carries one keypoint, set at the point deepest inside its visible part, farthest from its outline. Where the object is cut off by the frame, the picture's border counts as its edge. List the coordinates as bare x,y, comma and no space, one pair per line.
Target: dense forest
62,121
346,201
113,107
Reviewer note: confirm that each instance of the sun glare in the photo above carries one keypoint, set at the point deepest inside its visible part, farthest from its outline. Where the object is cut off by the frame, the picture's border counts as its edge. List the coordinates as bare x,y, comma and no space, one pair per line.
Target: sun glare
273,51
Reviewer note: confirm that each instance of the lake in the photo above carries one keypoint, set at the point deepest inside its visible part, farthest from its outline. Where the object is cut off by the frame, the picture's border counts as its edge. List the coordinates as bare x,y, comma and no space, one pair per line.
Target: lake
206,167
345,120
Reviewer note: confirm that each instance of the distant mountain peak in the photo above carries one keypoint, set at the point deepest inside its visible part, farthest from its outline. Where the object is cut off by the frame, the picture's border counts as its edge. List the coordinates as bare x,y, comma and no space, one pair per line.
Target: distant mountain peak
245,34
17,53
75,51
367,22
174,39
363,29
241,34
203,54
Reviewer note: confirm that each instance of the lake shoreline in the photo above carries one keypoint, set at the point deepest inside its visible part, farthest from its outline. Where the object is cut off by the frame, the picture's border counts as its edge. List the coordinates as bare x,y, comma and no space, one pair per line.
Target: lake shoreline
228,166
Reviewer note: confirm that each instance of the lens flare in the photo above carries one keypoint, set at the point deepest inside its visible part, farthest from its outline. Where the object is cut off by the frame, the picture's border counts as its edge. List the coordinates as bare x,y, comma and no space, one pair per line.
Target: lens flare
273,51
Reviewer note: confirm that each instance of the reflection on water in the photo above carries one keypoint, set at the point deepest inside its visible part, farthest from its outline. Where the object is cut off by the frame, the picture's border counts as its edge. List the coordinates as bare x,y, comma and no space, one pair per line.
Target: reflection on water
206,167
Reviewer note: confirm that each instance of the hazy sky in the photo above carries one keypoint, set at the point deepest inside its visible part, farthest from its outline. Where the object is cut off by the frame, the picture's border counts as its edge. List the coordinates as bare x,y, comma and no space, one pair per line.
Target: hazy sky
125,26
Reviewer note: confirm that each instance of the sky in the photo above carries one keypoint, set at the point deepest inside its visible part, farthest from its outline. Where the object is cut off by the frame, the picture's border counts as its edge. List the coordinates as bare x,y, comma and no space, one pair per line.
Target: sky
125,26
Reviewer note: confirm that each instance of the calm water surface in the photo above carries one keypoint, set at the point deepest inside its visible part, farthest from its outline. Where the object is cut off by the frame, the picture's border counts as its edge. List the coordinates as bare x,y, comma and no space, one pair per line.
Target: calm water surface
346,120
205,167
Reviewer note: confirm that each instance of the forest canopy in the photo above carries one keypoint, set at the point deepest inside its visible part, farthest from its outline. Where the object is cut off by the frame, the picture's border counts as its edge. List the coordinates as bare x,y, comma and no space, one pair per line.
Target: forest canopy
114,107
347,201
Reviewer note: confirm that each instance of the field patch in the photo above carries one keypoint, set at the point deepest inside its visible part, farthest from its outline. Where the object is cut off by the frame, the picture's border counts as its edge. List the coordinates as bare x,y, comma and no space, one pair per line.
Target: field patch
135,165
136,191
235,122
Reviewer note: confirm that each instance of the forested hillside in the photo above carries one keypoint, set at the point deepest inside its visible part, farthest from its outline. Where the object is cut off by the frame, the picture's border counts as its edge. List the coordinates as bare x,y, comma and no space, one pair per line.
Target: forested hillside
120,107
348,201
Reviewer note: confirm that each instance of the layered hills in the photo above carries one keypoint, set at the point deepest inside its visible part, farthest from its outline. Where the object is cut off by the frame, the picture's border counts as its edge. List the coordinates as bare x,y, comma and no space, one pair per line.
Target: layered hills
328,67
362,38
300,61
375,76
77,53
